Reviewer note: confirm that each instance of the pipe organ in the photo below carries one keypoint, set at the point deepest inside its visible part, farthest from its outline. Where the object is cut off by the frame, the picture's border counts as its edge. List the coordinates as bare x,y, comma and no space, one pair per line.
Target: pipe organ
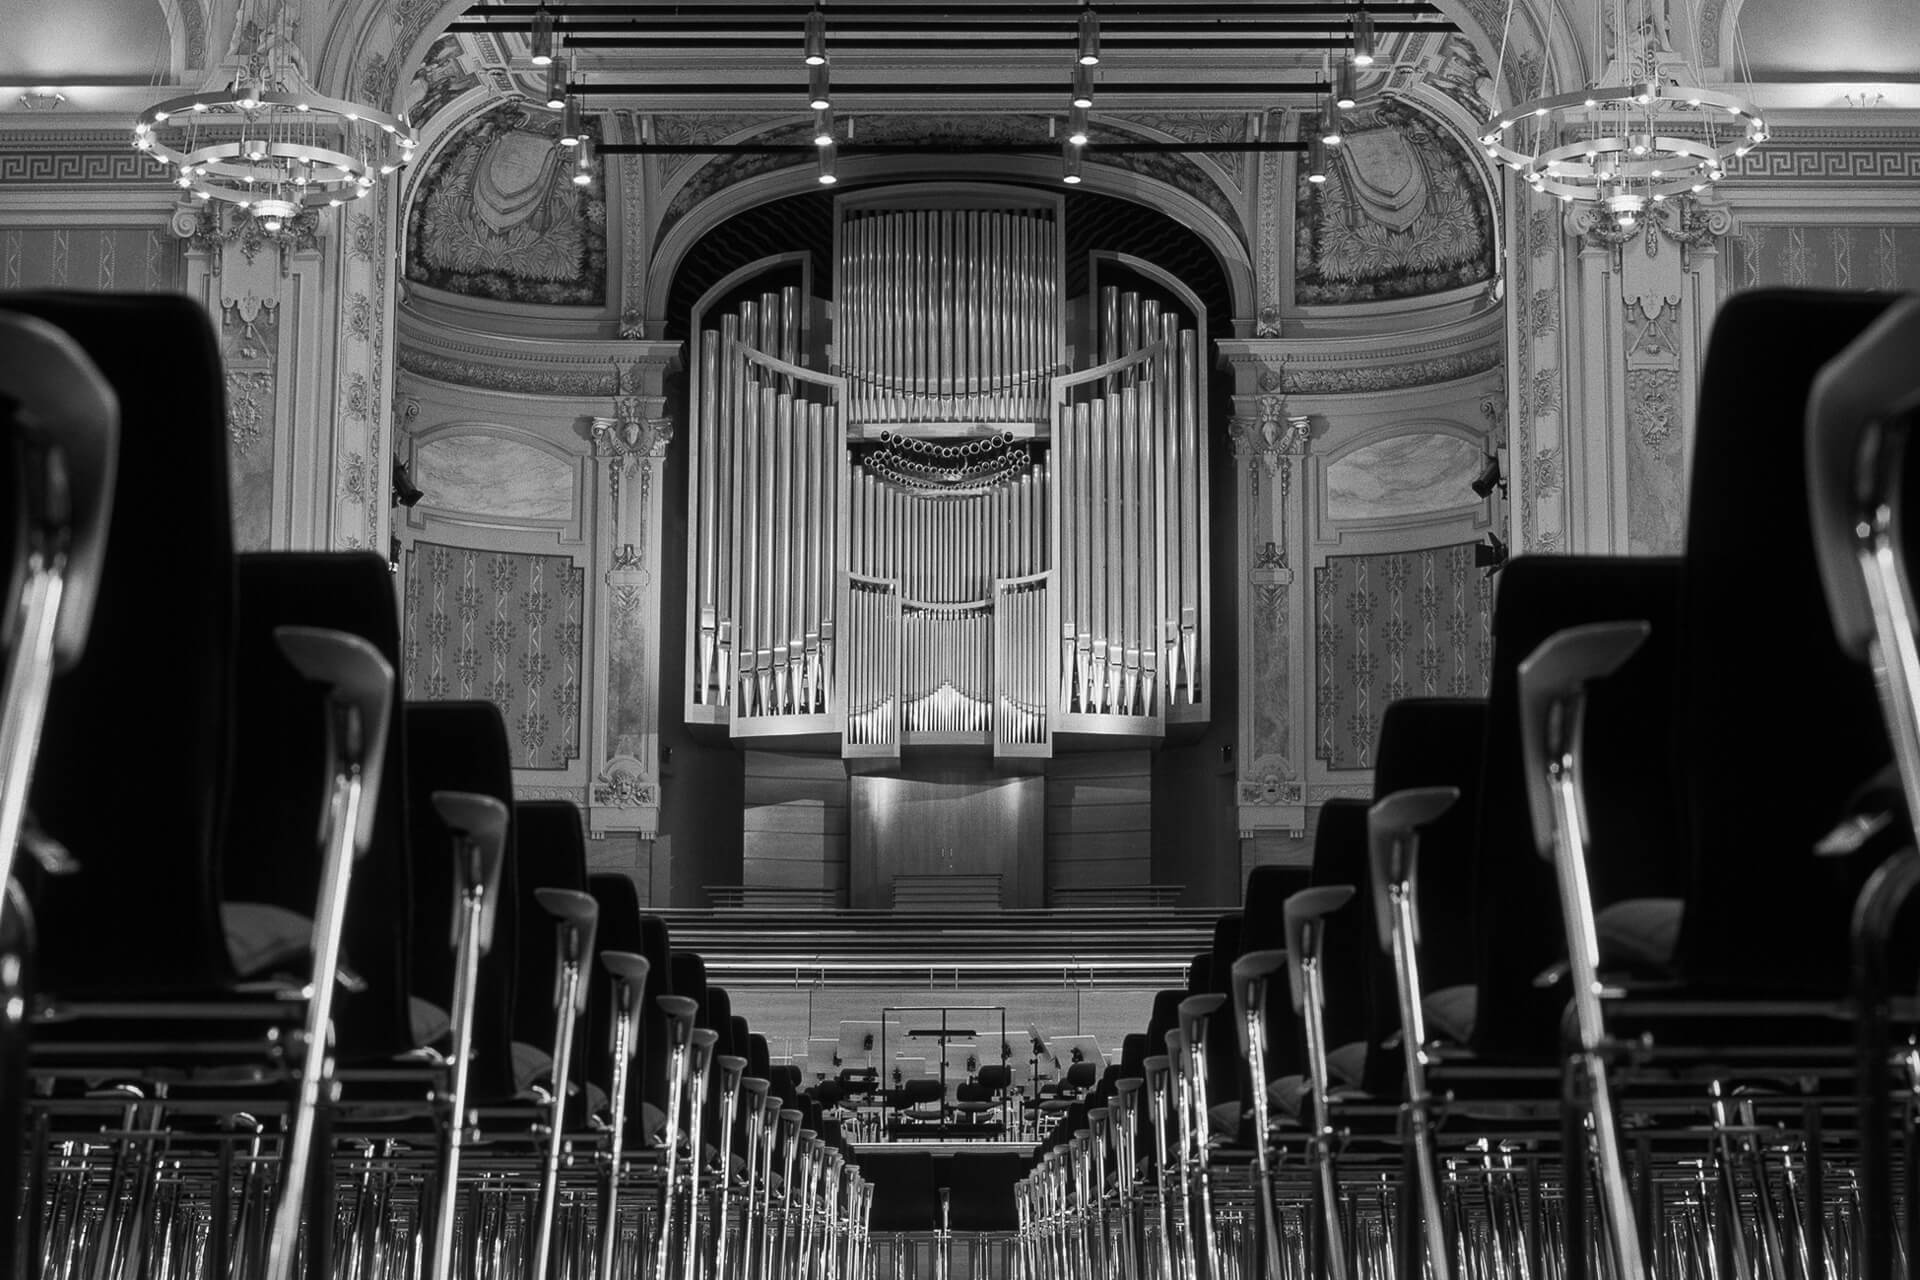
944,526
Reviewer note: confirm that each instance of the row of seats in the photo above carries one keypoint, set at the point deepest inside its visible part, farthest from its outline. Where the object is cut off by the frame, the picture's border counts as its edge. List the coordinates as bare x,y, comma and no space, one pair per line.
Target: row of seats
295,986
1613,976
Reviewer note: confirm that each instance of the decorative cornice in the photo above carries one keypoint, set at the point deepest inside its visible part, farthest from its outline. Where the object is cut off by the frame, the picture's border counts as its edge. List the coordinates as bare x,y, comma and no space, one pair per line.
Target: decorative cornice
74,157
522,366
1355,363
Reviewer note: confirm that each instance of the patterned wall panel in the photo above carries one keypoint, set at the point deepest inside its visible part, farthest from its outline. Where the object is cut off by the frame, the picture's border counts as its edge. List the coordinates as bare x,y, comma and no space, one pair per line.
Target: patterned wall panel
502,627
140,259
1397,625
1826,257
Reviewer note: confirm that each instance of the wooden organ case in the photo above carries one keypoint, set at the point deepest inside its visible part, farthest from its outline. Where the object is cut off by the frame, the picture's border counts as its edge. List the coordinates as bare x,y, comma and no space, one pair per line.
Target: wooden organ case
971,515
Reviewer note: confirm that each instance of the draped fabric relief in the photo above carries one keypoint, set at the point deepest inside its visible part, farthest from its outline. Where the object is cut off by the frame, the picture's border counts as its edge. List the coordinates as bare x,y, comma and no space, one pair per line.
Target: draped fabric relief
1398,625
505,628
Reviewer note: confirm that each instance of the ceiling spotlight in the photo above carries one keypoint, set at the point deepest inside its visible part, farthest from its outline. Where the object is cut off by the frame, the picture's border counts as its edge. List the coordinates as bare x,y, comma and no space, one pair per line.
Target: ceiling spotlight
1077,126
556,88
1070,164
1082,87
816,43
1363,39
817,96
1343,78
542,37
1089,54
1316,162
823,128
827,176
583,160
1330,128
571,125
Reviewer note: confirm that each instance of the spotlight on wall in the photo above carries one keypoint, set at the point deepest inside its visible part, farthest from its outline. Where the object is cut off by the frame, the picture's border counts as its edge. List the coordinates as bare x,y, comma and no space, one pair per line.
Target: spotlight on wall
1490,476
405,492
1490,555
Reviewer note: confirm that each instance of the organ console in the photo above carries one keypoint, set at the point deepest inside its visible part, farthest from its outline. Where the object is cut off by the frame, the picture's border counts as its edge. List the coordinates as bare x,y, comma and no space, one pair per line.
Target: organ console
932,528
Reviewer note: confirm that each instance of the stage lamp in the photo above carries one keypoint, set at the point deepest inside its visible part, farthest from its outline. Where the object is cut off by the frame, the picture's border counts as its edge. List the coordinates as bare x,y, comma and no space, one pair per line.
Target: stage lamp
1316,162
817,96
827,177
1082,88
1363,49
571,125
1330,128
1490,555
1070,164
556,89
1089,53
542,37
1489,477
823,128
583,161
816,42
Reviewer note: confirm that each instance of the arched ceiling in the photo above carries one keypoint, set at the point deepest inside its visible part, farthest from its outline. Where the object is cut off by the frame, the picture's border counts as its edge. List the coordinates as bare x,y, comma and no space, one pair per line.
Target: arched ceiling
83,42
1856,39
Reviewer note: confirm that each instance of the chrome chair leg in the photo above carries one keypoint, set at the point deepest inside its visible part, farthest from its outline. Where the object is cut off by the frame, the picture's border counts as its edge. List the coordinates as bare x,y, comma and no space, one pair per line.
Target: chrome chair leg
1194,1013
575,917
731,1070
1306,932
753,1122
1553,681
680,1012
479,827
1159,1081
1251,973
629,973
699,1069
1392,824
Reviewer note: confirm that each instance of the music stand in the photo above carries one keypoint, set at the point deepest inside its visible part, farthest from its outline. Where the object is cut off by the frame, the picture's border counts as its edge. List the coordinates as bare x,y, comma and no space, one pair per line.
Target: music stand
822,1056
1087,1049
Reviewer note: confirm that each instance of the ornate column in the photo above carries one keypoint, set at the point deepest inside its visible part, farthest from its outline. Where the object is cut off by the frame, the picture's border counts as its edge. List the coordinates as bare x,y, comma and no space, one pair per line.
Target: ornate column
1646,296
1269,445
266,294
629,449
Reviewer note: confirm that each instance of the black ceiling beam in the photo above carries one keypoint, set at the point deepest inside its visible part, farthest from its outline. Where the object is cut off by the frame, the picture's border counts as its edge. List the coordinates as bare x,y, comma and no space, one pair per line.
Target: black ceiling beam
839,12
921,89
893,29
1042,146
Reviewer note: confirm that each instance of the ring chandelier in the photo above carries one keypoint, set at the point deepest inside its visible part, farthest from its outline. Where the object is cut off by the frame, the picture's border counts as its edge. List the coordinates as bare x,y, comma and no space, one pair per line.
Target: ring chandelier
1635,137
270,145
